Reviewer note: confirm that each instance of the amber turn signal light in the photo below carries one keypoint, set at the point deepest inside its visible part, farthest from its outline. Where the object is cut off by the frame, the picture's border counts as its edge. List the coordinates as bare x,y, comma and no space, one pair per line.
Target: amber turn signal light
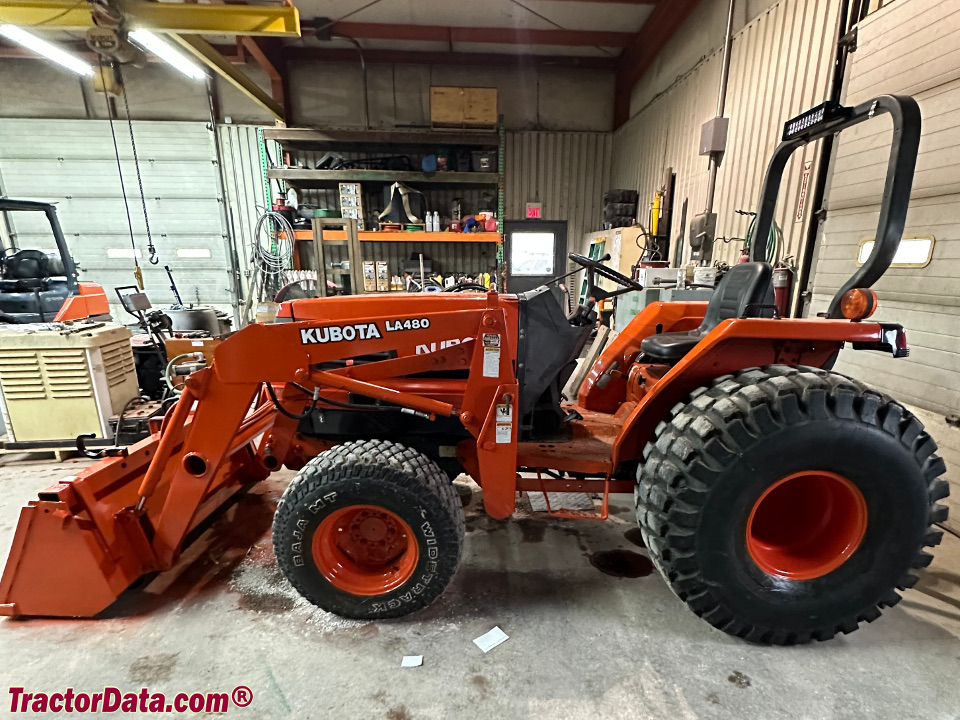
858,303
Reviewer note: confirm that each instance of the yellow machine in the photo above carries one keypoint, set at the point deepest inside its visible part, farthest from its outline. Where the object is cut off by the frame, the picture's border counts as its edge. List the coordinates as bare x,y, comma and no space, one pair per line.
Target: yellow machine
56,383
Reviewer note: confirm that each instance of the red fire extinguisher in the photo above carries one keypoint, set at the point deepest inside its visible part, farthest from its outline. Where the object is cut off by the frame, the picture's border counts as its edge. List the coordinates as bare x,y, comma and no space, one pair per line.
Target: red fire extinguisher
783,275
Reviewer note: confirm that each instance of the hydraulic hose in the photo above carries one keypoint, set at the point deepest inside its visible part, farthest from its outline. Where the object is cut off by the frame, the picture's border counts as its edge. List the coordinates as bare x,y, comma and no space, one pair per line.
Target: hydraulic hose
166,373
286,413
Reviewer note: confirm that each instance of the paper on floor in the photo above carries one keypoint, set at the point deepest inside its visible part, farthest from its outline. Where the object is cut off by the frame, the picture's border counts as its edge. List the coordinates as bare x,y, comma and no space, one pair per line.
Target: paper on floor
411,661
488,641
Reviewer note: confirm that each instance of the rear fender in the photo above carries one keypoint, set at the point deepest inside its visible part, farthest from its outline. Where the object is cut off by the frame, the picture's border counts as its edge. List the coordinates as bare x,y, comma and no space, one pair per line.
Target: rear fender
736,345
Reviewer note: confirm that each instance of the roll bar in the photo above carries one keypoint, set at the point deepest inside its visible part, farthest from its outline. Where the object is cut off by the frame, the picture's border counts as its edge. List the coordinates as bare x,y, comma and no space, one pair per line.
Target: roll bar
829,119
50,210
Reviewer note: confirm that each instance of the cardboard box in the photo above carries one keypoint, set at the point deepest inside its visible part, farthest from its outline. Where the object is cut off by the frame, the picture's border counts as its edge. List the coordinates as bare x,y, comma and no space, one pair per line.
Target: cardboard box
369,276
383,276
267,312
463,106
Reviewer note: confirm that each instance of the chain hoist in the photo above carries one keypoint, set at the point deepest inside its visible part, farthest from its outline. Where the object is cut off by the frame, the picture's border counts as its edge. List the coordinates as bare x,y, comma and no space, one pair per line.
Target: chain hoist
110,45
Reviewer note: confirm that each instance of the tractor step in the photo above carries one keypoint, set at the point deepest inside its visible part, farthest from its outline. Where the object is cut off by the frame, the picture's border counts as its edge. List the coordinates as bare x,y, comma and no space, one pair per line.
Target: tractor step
567,514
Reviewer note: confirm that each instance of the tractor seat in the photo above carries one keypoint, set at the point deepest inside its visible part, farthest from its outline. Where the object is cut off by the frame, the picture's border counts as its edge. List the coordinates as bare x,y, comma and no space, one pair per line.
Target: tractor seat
745,291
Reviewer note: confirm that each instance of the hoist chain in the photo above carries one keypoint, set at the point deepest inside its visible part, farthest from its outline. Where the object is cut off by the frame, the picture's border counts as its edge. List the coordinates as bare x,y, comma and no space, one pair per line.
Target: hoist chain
137,272
151,249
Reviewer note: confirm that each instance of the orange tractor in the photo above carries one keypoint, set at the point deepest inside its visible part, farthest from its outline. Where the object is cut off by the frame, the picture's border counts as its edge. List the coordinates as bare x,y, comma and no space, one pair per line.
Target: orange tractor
781,501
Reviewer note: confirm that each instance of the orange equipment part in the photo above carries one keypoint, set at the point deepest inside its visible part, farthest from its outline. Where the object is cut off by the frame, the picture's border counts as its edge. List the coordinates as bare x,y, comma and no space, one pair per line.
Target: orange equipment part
86,539
806,525
365,550
91,300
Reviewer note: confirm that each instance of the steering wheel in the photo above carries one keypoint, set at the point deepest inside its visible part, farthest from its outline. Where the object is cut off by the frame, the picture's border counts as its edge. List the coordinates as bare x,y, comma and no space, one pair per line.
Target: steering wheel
602,270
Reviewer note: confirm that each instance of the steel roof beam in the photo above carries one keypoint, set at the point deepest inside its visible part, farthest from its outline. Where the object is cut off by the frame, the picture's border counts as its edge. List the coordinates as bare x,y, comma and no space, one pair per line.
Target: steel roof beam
417,57
660,27
485,35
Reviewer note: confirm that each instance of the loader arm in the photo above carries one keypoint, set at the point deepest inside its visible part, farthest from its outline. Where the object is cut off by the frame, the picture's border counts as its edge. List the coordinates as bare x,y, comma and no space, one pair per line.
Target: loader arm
91,536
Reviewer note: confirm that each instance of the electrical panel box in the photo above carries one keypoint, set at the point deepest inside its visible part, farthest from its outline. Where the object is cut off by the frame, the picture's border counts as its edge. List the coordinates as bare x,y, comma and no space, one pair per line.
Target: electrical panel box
57,383
713,135
703,230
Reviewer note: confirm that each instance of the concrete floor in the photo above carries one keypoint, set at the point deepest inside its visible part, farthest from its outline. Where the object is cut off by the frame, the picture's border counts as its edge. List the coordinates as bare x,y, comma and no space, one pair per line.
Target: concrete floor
582,644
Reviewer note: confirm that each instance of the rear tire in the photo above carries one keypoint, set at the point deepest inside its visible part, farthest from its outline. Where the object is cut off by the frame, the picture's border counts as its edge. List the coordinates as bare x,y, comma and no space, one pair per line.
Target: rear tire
369,529
820,557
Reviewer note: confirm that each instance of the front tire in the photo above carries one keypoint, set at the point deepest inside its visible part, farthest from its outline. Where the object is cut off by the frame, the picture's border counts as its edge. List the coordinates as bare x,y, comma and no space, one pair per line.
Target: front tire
369,530
786,504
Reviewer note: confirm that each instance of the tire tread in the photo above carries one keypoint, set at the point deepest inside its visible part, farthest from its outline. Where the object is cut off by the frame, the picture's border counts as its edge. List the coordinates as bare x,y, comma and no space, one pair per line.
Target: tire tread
700,437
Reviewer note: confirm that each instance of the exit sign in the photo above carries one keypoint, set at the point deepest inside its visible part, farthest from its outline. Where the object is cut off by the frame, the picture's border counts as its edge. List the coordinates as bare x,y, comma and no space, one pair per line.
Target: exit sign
533,211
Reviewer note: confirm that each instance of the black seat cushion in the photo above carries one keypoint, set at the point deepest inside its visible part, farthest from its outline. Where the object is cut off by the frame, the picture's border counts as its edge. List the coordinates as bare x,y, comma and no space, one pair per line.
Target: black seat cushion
745,291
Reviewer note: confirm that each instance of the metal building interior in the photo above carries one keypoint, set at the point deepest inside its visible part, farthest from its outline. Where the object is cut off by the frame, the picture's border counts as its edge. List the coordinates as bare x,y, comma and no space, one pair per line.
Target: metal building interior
328,331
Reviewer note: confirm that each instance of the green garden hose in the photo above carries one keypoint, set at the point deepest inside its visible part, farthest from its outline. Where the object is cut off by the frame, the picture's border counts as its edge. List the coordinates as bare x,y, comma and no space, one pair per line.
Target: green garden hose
774,241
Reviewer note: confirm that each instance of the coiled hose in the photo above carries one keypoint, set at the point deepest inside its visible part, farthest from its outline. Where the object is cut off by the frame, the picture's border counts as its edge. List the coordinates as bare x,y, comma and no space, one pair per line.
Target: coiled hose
272,256
774,241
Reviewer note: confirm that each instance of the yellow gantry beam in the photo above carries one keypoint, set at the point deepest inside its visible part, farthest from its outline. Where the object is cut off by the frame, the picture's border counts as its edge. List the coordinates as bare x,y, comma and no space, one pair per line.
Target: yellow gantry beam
275,20
183,23
207,54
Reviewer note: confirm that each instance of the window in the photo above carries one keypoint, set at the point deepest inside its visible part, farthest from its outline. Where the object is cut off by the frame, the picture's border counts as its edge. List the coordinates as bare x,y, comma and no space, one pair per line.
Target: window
913,252
193,253
532,253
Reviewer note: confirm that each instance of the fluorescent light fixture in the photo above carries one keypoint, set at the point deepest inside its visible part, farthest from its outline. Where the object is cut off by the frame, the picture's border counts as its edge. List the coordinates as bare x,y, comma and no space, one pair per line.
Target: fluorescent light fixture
163,50
47,50
123,253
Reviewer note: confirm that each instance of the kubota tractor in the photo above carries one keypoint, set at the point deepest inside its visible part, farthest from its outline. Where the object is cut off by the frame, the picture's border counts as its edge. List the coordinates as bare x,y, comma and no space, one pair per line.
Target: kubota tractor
781,501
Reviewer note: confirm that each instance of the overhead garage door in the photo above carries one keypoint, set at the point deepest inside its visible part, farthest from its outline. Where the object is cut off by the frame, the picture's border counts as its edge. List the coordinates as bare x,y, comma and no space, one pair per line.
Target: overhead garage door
72,163
926,300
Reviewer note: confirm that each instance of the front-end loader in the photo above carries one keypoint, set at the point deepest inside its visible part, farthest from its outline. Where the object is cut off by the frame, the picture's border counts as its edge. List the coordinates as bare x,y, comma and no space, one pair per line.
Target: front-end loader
783,502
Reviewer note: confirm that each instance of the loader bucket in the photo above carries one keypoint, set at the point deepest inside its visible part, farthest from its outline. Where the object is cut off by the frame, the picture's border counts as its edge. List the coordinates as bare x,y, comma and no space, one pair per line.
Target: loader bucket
91,536
58,566
71,556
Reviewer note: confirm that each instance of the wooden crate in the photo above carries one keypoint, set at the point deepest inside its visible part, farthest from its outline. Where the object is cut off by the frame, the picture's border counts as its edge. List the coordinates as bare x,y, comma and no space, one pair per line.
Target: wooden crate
463,107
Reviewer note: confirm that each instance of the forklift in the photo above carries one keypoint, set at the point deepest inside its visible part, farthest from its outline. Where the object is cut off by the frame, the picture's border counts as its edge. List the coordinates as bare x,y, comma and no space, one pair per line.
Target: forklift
39,288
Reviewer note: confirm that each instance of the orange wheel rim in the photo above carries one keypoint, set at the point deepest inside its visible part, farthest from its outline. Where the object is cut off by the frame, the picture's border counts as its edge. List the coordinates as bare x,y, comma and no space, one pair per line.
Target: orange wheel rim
806,525
365,550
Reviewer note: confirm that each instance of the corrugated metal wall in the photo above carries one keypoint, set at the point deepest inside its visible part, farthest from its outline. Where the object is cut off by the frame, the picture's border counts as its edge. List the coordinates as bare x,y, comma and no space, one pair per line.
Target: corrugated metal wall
244,186
925,300
780,65
72,163
566,171
666,134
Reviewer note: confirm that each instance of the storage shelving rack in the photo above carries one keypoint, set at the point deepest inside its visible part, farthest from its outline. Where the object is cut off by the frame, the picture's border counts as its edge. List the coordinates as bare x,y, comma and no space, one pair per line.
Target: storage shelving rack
301,147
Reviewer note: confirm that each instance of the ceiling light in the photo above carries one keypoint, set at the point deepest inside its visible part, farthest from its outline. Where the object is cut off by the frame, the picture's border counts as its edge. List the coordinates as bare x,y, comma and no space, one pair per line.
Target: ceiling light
163,50
47,50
